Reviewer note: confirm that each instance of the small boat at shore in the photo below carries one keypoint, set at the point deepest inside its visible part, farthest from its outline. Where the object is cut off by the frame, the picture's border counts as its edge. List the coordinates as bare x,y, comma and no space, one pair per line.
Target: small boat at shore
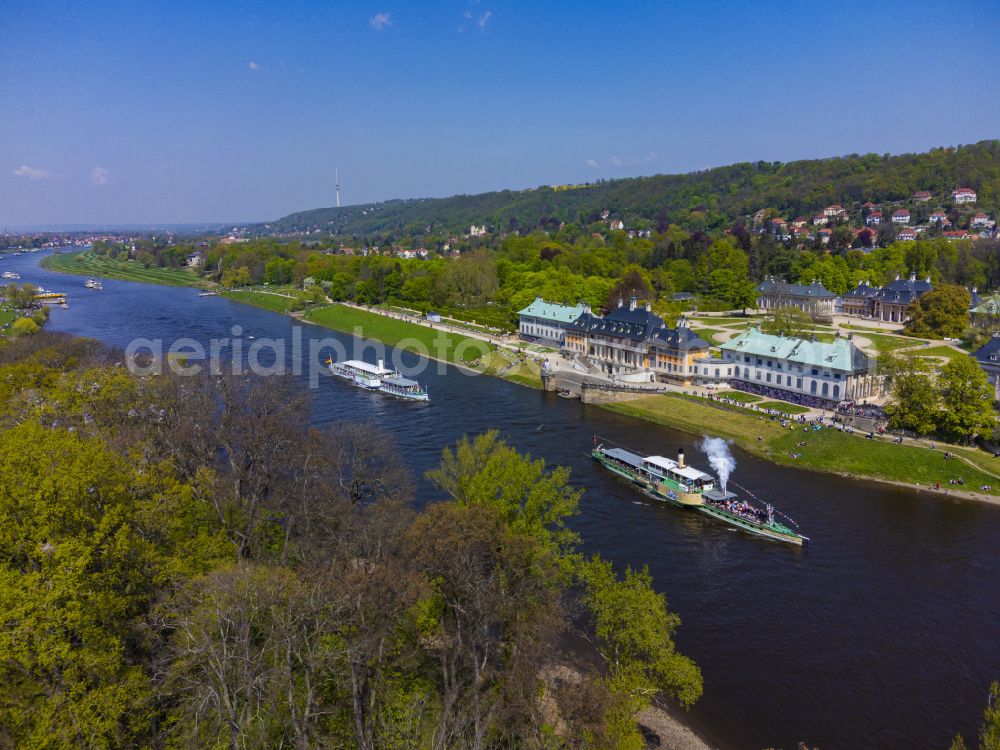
93,283
13,275
683,486
378,378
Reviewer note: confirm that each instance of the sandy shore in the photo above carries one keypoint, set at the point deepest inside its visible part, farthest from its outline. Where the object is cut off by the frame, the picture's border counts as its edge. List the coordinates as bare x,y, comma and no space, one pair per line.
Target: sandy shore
666,732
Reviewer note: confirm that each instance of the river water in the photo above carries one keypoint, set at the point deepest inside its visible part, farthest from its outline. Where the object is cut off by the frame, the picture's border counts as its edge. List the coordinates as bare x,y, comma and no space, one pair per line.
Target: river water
883,633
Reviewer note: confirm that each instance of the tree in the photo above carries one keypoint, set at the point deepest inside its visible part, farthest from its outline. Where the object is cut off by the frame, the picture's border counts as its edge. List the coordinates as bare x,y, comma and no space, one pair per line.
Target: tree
246,659
787,321
531,499
634,635
86,541
989,733
24,327
942,312
236,277
915,402
279,271
634,282
491,623
967,400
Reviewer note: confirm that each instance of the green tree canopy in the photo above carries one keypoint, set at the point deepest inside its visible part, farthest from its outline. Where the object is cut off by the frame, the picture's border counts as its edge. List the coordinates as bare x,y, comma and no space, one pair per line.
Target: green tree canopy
942,312
967,400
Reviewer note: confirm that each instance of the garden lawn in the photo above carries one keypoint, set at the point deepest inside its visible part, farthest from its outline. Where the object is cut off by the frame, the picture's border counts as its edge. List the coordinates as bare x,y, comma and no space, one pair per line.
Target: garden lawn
937,351
885,343
711,335
87,263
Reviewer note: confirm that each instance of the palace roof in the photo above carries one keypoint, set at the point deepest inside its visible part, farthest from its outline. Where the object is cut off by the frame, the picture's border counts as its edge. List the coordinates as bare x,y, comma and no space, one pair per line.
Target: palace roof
553,311
841,354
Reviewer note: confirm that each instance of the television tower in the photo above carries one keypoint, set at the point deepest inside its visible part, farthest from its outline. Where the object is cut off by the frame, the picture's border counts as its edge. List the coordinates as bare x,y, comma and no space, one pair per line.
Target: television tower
336,172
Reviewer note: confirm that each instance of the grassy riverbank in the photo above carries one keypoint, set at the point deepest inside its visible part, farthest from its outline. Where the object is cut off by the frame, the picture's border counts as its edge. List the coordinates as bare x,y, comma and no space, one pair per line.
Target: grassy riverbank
87,263
446,346
273,302
825,450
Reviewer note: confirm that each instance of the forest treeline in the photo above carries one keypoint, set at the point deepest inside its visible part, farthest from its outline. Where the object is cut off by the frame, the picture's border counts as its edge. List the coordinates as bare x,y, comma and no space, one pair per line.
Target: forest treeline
184,565
571,266
699,201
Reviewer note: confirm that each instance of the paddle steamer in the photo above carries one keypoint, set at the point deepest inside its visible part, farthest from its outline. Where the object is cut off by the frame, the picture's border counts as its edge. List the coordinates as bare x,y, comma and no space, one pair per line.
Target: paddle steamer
683,486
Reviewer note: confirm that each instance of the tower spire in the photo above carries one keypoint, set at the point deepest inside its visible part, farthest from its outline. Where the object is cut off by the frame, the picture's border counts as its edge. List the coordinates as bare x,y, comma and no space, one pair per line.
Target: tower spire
336,173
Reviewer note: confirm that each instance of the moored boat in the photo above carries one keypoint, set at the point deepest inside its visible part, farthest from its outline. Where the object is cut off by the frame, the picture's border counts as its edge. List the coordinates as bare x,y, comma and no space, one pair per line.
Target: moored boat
10,275
683,486
93,283
378,378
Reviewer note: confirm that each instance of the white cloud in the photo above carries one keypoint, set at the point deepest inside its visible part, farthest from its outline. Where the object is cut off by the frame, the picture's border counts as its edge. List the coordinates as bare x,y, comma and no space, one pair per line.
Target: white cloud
32,173
591,163
616,161
380,21
252,65
651,156
484,19
99,176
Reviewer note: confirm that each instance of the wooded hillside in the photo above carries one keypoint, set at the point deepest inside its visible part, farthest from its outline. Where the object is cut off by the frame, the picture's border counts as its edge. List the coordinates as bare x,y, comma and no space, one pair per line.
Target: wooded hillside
704,200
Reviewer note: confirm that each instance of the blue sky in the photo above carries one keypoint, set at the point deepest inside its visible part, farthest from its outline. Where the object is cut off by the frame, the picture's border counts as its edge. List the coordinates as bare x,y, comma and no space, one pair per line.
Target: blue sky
235,110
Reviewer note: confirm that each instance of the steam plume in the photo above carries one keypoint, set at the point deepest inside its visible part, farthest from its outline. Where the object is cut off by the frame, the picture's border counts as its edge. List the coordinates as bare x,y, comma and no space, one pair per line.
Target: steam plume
719,458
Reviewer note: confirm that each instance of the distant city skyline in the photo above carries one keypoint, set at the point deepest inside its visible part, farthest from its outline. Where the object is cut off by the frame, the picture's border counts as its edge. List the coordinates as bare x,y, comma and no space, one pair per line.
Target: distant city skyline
120,113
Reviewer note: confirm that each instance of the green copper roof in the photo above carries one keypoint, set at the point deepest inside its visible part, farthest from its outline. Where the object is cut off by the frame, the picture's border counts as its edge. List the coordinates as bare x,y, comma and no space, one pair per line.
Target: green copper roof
552,311
841,355
989,306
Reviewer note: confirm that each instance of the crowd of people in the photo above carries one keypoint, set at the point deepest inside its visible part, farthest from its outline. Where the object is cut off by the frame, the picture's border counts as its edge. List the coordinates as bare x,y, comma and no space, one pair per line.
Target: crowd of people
741,509
779,394
869,411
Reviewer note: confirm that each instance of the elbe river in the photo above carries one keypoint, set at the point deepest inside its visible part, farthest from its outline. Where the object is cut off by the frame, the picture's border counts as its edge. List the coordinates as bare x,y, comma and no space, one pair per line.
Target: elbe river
884,632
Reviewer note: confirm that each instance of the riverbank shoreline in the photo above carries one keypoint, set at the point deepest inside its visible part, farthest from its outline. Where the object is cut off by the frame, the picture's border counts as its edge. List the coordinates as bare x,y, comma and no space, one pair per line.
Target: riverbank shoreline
394,332
826,451
85,263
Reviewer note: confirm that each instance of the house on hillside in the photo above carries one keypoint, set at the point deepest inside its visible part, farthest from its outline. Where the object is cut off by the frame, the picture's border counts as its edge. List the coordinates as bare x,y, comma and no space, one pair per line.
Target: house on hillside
834,211
982,221
800,370
820,220
939,217
195,260
907,234
963,195
922,196
901,216
814,298
545,322
617,225
874,218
